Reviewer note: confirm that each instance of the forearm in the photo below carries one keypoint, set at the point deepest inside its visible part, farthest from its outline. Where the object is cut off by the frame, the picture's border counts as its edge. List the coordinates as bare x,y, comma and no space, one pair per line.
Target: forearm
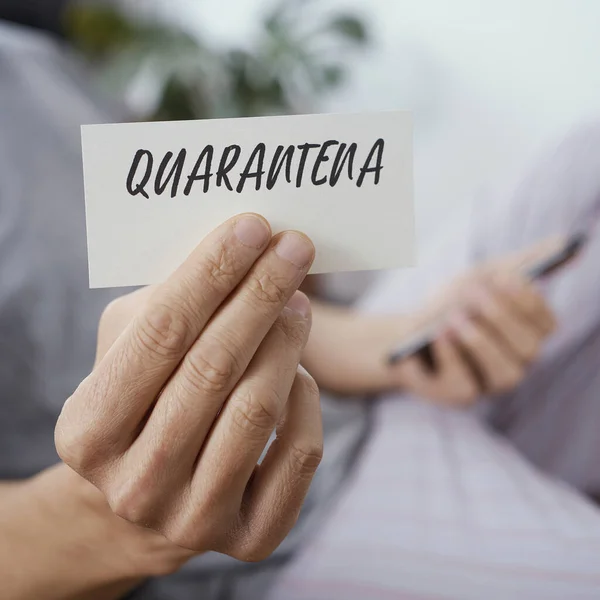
329,331
346,351
60,541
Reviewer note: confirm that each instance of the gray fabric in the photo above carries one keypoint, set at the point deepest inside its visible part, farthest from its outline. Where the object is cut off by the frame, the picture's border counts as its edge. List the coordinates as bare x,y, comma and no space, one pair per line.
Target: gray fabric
48,316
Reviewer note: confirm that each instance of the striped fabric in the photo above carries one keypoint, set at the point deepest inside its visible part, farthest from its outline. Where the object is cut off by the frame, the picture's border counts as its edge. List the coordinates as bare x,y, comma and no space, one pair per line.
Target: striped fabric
442,507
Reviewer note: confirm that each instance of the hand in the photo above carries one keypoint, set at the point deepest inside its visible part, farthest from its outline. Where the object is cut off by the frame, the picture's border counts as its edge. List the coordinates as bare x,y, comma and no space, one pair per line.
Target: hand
56,519
172,421
494,324
492,321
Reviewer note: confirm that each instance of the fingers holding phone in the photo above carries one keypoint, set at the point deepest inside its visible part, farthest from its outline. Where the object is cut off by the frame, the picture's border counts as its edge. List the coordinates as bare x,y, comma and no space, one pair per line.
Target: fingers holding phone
514,311
492,333
501,329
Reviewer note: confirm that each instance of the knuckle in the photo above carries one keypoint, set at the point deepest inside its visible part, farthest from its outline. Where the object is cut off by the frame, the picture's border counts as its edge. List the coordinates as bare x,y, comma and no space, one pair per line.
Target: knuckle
309,386
255,552
132,499
184,539
182,534
73,447
210,371
256,540
163,331
78,444
256,415
220,269
268,289
305,460
294,329
200,529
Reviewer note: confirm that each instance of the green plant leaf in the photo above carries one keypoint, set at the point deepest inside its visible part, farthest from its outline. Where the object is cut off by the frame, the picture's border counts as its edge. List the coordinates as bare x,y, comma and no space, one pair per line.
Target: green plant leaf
97,30
178,103
291,61
351,27
333,75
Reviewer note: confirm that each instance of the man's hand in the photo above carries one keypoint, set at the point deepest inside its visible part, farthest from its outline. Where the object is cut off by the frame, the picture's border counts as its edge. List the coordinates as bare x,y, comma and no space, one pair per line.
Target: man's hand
59,540
173,419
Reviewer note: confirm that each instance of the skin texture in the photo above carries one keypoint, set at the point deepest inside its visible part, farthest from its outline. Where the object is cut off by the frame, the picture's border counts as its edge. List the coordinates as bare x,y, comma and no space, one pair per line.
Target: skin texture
492,325
175,415
57,520
191,378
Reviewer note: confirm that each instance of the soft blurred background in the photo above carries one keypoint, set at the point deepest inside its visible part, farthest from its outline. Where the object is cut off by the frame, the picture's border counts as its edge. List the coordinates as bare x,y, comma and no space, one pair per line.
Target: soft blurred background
489,82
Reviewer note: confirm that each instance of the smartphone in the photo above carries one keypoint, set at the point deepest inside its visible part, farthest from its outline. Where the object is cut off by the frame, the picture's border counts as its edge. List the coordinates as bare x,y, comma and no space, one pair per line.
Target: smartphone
420,344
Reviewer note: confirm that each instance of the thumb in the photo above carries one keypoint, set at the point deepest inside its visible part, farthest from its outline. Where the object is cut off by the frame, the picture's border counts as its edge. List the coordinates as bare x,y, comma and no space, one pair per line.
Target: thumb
523,260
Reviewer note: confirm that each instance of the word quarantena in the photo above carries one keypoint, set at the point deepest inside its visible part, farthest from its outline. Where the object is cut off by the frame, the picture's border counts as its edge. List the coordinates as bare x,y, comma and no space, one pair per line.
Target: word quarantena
306,164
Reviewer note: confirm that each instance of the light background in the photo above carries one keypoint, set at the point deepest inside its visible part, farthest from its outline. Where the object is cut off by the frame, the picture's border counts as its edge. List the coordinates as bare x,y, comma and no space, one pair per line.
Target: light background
490,81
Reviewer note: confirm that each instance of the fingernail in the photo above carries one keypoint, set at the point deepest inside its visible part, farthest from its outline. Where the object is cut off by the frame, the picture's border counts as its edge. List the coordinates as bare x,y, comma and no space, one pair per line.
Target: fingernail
252,231
299,303
296,249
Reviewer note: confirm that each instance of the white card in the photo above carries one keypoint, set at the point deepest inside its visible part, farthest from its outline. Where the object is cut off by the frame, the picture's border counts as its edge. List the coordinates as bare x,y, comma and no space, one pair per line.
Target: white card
154,190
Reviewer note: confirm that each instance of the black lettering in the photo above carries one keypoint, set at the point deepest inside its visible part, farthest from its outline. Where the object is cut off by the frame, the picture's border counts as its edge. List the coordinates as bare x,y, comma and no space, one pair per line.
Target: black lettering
247,173
321,158
277,164
175,173
225,167
378,148
342,156
305,149
205,155
139,187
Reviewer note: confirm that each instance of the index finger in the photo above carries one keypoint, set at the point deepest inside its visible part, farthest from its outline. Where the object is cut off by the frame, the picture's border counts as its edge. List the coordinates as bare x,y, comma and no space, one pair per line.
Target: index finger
523,260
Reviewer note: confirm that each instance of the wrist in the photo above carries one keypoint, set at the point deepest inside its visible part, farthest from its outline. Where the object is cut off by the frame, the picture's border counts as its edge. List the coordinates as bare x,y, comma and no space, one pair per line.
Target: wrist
114,549
348,354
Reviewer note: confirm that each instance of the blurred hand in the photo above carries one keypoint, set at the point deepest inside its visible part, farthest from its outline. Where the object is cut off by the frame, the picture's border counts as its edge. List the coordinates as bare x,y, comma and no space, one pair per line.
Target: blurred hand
491,322
493,329
192,378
